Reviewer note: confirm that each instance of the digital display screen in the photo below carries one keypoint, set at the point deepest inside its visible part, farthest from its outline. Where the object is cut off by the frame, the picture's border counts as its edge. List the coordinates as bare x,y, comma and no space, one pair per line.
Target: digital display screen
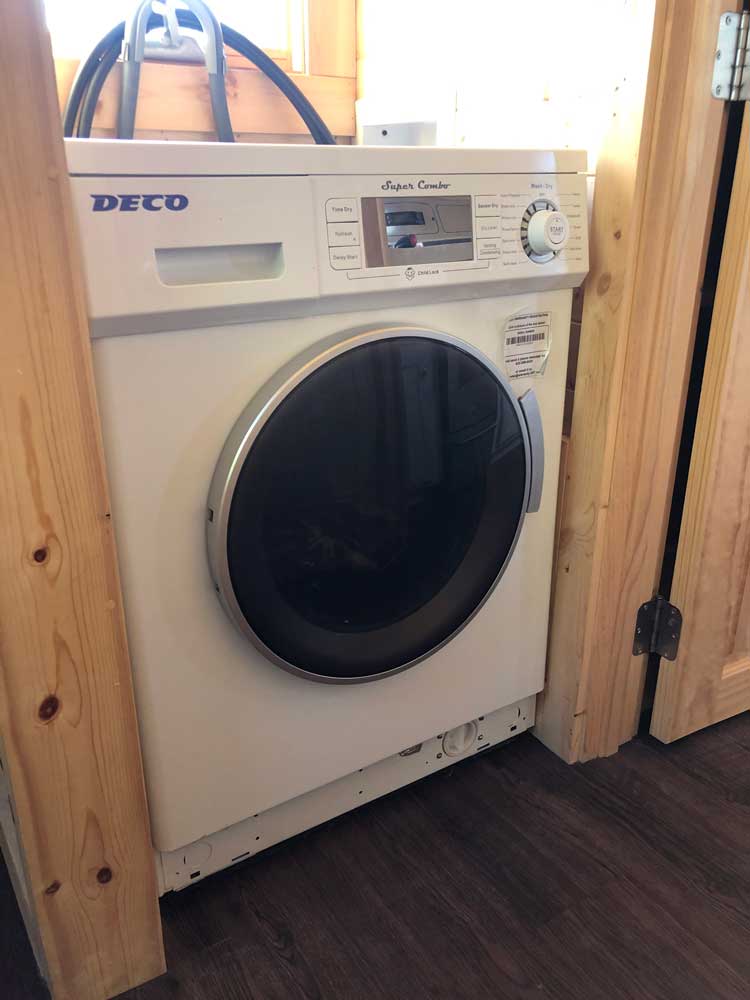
404,218
409,230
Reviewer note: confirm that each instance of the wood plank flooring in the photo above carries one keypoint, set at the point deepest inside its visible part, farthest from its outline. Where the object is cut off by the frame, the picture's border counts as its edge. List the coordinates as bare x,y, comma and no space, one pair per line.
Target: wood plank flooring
510,876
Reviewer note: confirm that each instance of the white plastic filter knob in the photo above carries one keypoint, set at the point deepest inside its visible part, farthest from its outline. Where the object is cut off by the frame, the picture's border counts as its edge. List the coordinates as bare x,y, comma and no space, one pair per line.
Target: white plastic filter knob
460,740
548,232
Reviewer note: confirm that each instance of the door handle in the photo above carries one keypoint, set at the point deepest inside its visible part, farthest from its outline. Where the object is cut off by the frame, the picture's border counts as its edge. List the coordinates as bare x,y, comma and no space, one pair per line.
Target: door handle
533,417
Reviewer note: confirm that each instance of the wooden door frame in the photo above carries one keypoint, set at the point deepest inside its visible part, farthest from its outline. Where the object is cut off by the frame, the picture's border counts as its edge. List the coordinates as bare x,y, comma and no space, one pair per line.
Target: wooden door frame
77,838
653,206
710,679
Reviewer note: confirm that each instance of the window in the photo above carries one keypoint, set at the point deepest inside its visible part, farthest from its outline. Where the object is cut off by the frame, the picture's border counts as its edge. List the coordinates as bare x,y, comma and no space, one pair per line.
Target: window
313,39
76,25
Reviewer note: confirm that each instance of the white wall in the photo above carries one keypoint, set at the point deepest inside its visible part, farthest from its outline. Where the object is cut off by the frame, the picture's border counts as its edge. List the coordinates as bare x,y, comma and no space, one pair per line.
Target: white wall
496,72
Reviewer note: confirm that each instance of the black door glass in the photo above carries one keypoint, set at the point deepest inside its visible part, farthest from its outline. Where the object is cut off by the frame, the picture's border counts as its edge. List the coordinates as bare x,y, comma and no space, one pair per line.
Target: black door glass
377,507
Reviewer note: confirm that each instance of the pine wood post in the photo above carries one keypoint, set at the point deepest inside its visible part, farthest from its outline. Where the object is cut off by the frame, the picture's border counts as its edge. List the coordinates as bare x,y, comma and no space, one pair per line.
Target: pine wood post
653,206
332,44
67,718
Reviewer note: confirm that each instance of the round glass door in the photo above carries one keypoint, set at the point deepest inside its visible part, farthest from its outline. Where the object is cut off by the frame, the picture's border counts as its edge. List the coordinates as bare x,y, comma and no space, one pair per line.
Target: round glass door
366,505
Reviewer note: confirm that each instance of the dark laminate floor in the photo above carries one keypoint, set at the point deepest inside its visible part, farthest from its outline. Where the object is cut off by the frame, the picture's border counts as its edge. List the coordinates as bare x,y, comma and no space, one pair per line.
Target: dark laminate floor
509,876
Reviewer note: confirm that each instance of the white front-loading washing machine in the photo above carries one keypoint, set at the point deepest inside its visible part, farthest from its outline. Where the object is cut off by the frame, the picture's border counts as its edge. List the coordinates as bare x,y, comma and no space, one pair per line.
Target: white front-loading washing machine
331,384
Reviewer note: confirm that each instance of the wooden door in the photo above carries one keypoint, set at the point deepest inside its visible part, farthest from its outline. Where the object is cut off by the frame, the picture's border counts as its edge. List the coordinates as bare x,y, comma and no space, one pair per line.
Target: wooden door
710,679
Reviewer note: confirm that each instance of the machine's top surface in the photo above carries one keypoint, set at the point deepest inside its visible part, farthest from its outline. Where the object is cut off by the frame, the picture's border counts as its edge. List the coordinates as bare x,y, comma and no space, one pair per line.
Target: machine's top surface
111,157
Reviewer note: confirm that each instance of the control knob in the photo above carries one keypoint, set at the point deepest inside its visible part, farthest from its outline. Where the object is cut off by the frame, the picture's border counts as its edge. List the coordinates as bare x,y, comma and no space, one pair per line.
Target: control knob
548,232
544,231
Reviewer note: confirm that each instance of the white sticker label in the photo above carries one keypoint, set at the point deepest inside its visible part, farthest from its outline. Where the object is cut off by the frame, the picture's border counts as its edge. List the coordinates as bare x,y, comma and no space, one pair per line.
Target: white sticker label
526,343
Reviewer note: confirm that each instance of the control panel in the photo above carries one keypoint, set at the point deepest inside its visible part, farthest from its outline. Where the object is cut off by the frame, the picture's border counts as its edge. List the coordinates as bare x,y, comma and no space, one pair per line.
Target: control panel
416,230
342,227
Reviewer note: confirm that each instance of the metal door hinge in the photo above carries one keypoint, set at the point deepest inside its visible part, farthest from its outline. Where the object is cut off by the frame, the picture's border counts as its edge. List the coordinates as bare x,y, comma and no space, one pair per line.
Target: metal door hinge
657,628
731,79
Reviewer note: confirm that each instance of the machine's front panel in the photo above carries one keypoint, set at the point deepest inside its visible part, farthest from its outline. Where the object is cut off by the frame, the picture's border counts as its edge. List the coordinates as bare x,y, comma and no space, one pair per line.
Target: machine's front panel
178,252
168,402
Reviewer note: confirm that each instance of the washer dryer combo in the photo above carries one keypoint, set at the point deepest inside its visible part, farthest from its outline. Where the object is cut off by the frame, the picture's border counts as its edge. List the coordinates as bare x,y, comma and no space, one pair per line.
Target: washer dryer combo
331,383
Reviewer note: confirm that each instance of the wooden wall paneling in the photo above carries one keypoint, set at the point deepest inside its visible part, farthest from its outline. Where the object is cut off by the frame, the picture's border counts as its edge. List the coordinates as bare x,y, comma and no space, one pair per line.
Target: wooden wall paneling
237,61
359,46
176,98
331,38
67,717
710,679
653,205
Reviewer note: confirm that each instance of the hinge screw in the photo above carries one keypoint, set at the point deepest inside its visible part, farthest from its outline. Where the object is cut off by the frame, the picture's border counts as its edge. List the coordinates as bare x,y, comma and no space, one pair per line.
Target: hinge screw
718,89
718,54
728,19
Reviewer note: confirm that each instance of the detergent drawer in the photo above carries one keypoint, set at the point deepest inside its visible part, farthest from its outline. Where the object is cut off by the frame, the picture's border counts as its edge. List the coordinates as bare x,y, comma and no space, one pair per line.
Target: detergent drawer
166,251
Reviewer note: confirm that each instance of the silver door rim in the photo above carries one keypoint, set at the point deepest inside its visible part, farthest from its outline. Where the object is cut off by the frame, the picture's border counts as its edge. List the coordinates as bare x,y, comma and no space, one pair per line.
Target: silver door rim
245,432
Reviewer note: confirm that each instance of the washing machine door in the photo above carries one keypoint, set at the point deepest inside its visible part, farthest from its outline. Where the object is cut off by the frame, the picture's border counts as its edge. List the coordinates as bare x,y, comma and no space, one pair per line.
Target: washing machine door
368,501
